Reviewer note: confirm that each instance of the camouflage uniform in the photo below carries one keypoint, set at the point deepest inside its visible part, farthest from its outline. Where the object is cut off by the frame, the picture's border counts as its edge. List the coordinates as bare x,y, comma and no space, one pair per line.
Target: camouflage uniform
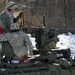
7,17
19,41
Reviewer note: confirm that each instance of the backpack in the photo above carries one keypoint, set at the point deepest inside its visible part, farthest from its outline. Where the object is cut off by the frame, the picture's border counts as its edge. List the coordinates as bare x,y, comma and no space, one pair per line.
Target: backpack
5,21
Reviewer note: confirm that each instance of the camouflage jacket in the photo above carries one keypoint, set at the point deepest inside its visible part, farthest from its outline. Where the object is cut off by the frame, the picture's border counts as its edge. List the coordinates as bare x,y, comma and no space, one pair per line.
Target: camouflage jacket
6,19
19,41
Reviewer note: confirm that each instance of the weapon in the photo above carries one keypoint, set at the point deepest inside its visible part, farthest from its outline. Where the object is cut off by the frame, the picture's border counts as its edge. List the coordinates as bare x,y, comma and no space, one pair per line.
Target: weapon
52,61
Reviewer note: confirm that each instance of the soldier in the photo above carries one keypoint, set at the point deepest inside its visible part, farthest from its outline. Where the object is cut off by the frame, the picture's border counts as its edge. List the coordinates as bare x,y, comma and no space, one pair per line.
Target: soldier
7,17
19,41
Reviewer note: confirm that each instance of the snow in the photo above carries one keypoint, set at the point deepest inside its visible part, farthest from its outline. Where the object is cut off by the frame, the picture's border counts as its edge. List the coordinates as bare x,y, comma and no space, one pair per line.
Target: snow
67,41
33,41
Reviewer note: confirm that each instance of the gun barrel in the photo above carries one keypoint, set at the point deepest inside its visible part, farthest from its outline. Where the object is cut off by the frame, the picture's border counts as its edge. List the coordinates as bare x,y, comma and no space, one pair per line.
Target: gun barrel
69,29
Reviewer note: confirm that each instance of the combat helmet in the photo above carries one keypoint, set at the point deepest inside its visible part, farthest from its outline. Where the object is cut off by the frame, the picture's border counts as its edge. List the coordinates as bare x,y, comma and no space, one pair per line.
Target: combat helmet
11,5
14,26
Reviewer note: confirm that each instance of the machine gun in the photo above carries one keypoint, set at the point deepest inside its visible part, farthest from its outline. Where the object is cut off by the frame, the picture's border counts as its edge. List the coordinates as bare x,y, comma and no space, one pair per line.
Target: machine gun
46,39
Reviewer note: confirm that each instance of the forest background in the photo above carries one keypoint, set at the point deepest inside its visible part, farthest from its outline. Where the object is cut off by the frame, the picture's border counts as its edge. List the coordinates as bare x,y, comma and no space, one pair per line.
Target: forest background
58,13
